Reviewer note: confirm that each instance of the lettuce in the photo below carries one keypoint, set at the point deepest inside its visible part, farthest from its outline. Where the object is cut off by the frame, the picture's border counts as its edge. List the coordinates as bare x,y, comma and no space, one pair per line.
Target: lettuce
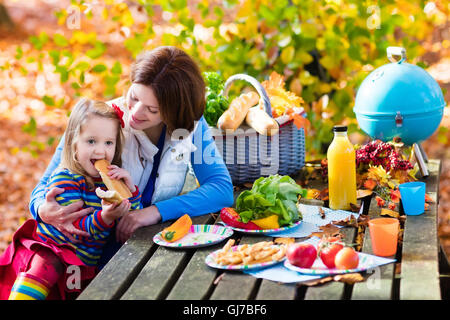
216,103
275,194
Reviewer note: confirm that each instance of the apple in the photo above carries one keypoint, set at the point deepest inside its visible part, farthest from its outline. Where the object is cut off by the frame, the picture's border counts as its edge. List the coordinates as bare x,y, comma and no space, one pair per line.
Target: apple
301,255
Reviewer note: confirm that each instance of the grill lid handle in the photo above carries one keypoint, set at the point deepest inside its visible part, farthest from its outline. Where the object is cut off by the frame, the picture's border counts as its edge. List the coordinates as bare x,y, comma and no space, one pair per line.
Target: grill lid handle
398,120
396,51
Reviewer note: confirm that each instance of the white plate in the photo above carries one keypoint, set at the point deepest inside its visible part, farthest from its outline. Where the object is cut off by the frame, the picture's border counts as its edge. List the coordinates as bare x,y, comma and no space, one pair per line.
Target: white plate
210,261
200,235
366,262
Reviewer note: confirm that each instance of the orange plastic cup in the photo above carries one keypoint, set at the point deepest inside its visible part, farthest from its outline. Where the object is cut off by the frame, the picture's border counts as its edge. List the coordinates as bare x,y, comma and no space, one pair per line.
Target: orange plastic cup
384,235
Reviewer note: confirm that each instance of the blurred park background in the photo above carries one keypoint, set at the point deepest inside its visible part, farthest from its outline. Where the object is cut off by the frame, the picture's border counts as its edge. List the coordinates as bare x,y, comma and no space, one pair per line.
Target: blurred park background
54,51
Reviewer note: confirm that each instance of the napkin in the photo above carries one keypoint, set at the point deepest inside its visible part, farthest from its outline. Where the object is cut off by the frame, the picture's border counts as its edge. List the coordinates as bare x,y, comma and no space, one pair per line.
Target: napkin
312,215
280,273
312,220
304,229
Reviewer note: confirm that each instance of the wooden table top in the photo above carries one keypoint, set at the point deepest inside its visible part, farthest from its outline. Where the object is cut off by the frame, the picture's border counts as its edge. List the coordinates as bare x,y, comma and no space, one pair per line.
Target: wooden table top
144,270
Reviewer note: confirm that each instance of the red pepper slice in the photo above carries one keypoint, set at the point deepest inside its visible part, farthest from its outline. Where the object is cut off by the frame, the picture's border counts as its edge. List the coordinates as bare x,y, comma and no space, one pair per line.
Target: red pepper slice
230,217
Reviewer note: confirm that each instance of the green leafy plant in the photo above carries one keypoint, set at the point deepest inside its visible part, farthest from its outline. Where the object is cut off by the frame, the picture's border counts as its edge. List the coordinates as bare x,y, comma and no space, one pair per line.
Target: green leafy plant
275,194
323,48
216,103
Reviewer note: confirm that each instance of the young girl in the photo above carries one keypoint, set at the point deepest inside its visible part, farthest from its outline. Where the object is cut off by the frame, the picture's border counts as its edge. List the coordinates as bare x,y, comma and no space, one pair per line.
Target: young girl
35,265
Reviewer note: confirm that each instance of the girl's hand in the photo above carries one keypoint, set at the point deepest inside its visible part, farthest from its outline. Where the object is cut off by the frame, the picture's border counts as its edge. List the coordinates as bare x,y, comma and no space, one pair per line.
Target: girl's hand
118,173
113,211
136,219
62,217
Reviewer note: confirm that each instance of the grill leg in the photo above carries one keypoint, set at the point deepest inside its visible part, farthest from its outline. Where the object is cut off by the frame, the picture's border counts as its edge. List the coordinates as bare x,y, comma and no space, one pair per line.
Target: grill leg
421,158
425,158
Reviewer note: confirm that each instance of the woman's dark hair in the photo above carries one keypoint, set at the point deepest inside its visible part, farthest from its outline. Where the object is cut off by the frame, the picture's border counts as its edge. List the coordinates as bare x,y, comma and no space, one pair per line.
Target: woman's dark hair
177,84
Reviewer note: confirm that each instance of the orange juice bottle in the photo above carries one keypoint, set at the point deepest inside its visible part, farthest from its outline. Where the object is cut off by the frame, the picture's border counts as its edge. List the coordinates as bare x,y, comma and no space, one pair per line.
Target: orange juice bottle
341,170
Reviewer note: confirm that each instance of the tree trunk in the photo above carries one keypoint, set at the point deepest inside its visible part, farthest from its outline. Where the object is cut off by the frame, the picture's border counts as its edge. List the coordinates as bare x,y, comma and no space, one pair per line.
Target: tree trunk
5,20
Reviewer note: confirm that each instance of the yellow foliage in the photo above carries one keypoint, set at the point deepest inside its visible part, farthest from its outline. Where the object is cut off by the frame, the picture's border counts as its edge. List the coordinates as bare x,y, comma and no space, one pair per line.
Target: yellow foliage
379,174
280,98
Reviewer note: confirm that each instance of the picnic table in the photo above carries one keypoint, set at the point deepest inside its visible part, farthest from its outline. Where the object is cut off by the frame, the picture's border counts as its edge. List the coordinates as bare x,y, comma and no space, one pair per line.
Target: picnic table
144,270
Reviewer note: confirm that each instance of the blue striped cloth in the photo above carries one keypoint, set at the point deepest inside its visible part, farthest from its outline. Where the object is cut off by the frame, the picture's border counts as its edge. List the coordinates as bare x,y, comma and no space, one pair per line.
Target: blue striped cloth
75,186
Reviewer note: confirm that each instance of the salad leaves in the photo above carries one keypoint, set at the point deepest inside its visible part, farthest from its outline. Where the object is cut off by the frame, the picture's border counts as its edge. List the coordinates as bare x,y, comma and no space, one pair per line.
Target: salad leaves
275,194
216,103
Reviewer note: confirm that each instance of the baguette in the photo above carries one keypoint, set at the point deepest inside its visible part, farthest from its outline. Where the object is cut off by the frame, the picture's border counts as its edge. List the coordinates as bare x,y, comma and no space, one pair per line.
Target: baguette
117,189
232,118
109,196
258,119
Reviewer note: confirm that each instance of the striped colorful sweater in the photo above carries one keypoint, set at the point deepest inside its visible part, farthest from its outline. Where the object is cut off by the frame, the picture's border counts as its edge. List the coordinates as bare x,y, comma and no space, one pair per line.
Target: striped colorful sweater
90,248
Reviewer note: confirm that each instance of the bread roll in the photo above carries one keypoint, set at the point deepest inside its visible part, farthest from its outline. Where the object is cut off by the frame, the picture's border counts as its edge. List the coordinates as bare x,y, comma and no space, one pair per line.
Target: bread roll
258,119
232,118
117,189
109,196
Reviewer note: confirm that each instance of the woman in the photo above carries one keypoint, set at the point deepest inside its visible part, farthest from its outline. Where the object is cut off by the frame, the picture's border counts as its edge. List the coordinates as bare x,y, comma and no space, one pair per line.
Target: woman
164,129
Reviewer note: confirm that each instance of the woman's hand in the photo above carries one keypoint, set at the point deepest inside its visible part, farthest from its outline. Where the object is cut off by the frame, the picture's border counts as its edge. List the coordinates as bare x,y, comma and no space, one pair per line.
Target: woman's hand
136,219
62,217
118,173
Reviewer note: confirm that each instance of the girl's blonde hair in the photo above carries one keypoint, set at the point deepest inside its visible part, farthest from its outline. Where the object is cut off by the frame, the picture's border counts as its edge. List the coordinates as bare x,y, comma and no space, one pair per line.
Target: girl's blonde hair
84,109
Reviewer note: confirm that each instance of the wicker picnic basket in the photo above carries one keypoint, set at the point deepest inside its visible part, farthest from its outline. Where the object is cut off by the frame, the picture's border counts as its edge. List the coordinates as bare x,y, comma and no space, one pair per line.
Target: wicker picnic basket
249,155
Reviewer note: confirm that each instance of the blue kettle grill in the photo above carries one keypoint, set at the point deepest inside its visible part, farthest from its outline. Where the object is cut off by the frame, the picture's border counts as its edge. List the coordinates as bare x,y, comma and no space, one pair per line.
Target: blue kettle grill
400,100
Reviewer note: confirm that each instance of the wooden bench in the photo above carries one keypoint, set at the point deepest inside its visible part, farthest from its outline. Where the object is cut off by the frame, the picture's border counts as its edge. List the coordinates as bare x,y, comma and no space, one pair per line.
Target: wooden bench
143,270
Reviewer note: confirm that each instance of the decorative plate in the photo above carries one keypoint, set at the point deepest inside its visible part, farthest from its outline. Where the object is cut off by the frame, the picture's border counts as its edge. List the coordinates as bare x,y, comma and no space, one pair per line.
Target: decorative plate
263,230
200,235
366,261
210,261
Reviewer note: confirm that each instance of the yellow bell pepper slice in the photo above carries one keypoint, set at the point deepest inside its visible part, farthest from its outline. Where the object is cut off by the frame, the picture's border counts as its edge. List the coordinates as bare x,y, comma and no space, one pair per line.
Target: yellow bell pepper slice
178,229
270,222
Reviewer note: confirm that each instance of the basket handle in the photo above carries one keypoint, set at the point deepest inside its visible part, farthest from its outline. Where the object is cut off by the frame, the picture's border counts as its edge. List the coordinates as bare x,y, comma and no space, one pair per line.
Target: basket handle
255,83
